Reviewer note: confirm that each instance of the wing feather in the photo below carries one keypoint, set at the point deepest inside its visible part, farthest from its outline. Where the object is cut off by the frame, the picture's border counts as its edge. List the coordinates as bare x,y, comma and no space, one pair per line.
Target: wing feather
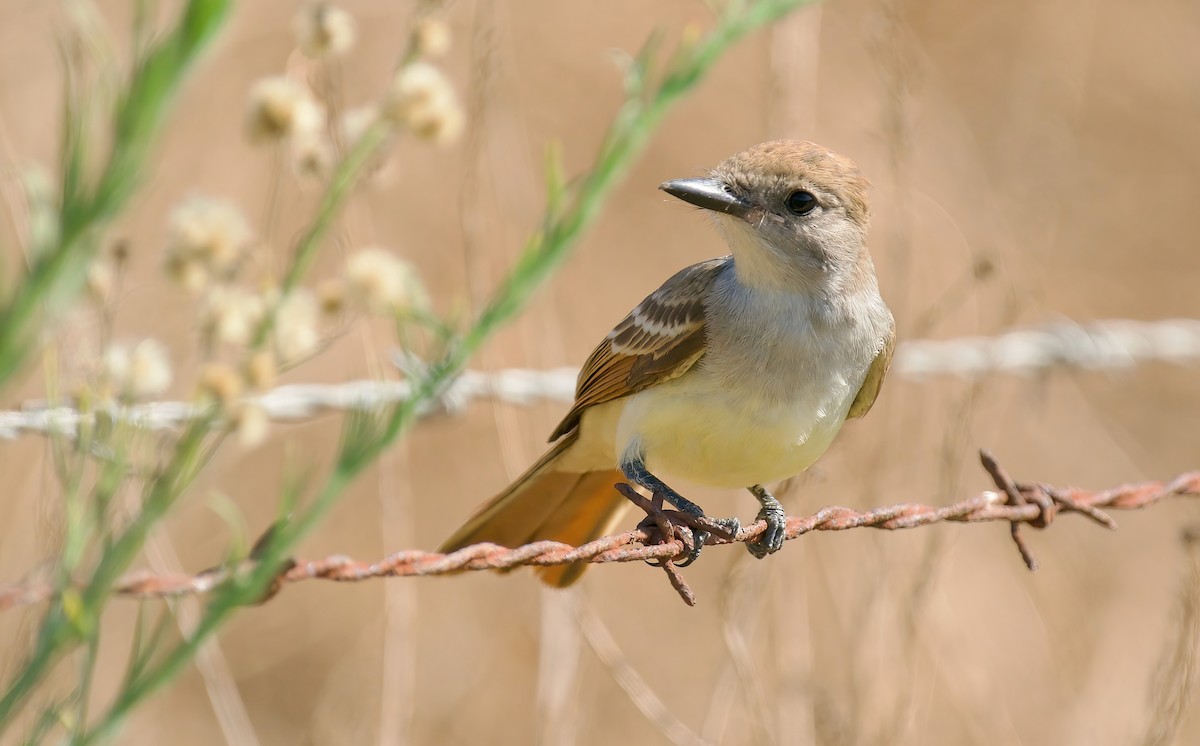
659,340
874,380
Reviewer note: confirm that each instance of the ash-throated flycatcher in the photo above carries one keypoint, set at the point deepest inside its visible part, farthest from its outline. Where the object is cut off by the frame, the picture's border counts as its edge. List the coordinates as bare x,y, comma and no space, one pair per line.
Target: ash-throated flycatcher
737,372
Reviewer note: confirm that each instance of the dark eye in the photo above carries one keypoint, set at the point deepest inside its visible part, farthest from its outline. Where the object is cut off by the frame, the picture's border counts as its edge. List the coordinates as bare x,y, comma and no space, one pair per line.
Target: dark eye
800,202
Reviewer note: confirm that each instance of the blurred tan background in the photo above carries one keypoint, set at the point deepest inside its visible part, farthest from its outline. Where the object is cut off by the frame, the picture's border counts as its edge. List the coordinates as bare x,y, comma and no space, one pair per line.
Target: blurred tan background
1052,141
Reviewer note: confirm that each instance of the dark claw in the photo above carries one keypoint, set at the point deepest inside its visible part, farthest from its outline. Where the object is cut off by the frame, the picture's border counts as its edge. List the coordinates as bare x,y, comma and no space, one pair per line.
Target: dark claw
698,539
731,525
771,540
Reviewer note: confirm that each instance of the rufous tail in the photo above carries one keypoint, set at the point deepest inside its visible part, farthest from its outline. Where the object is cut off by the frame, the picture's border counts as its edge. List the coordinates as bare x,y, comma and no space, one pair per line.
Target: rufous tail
546,504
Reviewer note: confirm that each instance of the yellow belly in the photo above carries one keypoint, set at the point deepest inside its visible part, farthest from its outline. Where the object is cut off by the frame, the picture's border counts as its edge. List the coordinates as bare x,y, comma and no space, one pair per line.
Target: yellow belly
727,444
695,429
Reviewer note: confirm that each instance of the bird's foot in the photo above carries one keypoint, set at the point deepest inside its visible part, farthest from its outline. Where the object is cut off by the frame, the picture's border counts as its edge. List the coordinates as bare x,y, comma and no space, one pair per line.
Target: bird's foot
661,528
771,540
635,470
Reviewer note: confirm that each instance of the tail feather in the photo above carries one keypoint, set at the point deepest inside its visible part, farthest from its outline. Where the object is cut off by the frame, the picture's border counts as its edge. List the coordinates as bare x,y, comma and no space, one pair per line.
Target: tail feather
545,504
590,510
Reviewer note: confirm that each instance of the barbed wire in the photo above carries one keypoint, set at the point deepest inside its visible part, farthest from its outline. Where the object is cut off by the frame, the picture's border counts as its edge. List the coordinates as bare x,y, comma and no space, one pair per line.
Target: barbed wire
665,536
1097,345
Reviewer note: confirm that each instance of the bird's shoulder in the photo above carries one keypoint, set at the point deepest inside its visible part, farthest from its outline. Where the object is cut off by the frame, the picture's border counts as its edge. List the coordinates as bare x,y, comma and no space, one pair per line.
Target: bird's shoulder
660,339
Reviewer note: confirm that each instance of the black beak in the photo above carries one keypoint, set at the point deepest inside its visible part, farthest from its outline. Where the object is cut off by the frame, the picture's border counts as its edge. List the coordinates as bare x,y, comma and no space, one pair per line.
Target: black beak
708,193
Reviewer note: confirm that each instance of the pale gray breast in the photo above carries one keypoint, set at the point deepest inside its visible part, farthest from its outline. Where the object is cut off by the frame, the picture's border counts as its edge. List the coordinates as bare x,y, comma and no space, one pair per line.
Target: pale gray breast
789,348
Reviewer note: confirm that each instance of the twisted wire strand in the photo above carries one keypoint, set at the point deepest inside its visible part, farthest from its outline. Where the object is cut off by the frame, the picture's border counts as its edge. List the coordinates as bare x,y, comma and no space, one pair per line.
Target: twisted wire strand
1110,344
1038,505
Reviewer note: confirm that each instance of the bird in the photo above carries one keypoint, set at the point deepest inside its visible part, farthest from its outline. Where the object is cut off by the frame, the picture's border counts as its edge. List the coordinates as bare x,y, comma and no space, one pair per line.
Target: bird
738,371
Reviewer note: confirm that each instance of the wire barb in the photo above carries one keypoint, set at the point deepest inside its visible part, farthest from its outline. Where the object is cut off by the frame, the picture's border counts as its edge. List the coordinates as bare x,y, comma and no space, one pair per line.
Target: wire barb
666,534
1009,488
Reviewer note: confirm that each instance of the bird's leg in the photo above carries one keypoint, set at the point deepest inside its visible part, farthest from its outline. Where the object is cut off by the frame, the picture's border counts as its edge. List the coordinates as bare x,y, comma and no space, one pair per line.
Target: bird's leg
635,471
771,540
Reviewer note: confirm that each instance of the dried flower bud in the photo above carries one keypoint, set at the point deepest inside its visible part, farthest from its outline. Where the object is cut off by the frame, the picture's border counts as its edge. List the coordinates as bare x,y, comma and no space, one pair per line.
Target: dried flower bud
431,36
312,156
296,334
138,372
230,315
261,370
380,281
252,424
439,126
191,275
331,296
422,101
279,108
324,29
119,252
221,382
206,237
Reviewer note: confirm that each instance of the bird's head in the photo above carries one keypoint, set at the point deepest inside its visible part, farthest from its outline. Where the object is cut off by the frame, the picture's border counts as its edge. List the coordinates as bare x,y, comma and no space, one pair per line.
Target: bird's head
794,214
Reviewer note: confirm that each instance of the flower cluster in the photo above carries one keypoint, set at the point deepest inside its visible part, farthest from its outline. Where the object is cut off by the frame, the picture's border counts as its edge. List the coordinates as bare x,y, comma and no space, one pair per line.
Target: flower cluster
249,329
137,371
206,240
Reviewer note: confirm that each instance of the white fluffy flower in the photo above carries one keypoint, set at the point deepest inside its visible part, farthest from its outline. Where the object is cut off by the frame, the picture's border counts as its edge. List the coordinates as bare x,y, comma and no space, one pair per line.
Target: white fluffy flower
380,281
279,108
422,101
138,372
205,237
230,315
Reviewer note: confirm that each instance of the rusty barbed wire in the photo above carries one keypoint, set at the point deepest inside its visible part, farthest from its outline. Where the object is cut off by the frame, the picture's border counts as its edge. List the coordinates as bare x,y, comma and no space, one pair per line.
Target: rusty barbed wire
1116,343
1018,503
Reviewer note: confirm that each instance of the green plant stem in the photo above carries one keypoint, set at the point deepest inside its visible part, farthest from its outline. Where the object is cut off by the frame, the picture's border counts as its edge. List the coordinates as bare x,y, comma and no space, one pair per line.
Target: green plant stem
60,632
57,272
191,451
364,438
65,627
189,455
56,275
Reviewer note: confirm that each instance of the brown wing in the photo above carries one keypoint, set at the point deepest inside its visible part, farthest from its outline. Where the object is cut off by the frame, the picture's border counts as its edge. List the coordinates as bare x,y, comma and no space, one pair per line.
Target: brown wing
657,341
874,380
